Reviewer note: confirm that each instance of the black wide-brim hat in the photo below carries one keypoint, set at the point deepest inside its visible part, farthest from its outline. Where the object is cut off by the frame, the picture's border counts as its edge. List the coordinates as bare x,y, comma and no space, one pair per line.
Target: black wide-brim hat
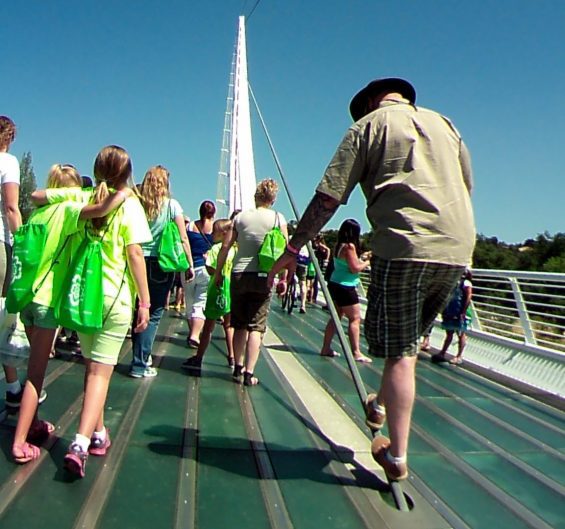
358,105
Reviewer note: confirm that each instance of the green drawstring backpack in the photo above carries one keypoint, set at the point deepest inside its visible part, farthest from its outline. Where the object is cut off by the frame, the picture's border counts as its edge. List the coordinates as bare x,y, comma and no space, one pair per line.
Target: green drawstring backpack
81,304
218,299
171,253
272,247
27,253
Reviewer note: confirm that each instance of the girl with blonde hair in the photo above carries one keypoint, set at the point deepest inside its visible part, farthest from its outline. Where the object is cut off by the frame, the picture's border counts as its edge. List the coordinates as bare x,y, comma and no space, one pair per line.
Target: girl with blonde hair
160,209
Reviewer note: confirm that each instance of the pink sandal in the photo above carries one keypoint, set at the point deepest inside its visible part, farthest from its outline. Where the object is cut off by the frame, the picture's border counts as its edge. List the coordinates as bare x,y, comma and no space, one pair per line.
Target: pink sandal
39,432
29,453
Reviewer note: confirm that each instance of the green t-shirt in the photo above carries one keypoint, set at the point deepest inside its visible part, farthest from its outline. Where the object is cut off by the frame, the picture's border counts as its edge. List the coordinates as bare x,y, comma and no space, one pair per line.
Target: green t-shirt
61,221
212,258
127,225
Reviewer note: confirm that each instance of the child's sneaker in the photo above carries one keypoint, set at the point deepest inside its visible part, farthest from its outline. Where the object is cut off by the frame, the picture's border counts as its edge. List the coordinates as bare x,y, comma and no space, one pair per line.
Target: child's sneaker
150,372
99,447
13,400
75,460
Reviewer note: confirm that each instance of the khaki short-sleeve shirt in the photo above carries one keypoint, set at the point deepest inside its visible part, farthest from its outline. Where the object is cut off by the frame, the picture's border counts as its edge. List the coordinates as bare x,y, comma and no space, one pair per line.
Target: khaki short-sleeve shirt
415,173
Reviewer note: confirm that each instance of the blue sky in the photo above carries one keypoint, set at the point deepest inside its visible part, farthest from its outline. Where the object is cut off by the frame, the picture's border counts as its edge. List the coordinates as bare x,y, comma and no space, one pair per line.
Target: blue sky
152,76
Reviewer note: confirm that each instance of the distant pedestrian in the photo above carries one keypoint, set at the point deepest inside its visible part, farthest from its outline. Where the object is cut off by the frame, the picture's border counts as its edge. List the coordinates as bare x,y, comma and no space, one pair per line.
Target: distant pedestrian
250,293
456,318
196,285
218,300
343,284
160,209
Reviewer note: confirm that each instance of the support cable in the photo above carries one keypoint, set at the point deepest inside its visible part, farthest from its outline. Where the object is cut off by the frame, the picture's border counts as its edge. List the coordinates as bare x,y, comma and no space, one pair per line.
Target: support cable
253,9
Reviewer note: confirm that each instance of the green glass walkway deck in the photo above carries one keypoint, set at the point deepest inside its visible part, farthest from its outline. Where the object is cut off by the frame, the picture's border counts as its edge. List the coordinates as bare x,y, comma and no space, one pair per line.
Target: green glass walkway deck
203,452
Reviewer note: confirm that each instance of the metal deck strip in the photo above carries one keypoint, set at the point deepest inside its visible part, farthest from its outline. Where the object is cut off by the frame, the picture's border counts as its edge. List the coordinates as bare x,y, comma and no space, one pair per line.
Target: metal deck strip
92,509
23,473
367,505
502,497
492,418
186,496
49,378
12,486
272,495
335,428
465,384
415,484
498,450
482,377
496,420
513,504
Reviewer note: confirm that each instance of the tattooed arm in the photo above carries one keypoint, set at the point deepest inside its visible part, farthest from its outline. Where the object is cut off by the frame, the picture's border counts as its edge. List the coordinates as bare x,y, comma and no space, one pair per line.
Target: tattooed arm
320,210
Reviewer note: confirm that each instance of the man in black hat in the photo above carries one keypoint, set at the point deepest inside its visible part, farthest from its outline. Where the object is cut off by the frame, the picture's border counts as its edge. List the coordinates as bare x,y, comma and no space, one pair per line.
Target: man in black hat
415,173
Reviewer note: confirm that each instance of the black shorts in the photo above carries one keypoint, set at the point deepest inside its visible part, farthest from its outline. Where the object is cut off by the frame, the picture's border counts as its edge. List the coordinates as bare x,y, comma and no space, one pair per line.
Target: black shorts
250,301
343,296
301,270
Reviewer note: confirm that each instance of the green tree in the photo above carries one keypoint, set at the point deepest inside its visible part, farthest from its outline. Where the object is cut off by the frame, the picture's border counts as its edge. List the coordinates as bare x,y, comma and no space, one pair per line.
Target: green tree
27,186
555,264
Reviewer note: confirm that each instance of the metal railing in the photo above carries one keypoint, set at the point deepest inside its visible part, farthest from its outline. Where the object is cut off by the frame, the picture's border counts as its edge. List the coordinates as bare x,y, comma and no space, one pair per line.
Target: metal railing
524,307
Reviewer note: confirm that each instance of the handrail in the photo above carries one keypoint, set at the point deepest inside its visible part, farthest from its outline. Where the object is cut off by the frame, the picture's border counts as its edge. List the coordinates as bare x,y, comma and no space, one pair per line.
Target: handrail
525,307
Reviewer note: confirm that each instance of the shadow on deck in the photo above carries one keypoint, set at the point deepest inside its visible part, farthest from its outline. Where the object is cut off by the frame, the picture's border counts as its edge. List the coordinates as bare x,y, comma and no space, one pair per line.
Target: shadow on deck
203,452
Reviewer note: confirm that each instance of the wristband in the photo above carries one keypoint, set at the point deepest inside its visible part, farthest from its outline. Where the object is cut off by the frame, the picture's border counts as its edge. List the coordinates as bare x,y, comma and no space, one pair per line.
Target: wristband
291,249
144,305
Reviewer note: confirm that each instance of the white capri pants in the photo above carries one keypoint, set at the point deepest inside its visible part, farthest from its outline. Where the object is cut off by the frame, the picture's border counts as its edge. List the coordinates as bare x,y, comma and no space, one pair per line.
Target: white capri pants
195,293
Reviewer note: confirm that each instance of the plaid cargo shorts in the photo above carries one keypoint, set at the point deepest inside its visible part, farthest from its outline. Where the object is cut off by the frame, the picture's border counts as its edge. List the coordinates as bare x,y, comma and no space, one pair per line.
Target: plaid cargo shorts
403,300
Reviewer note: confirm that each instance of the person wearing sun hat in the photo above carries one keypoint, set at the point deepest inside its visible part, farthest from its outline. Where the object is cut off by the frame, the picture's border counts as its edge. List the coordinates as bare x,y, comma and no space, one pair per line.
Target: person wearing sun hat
415,173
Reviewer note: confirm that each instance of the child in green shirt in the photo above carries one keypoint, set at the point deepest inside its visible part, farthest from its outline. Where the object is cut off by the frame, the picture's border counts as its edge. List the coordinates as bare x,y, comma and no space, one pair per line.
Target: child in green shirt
62,221
218,301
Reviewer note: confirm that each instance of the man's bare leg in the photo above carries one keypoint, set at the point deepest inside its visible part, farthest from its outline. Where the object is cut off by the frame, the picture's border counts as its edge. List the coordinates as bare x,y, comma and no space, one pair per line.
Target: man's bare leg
398,390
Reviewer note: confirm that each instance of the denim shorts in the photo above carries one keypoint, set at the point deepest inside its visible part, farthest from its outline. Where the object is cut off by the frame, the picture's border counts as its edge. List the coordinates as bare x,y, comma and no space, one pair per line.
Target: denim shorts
36,315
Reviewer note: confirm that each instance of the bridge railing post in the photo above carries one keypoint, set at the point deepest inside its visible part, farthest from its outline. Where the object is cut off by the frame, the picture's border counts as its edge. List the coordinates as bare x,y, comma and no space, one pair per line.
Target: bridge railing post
529,335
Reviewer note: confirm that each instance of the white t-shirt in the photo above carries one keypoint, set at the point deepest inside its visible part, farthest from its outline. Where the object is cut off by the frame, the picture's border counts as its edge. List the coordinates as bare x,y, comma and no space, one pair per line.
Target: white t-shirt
252,226
9,173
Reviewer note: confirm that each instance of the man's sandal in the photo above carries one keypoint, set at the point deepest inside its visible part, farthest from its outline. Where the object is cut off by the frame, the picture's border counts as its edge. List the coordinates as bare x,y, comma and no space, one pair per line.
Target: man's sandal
375,414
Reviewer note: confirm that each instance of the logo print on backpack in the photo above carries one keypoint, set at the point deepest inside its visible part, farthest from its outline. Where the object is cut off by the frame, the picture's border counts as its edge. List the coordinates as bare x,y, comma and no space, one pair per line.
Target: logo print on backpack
16,268
74,292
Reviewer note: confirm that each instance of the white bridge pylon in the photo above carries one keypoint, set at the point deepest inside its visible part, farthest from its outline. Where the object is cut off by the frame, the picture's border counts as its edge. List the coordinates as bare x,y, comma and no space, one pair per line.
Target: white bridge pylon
236,177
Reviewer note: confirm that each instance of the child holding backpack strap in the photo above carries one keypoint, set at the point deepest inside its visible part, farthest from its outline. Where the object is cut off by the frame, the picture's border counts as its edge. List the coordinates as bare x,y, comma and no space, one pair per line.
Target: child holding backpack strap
61,221
218,300
124,275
